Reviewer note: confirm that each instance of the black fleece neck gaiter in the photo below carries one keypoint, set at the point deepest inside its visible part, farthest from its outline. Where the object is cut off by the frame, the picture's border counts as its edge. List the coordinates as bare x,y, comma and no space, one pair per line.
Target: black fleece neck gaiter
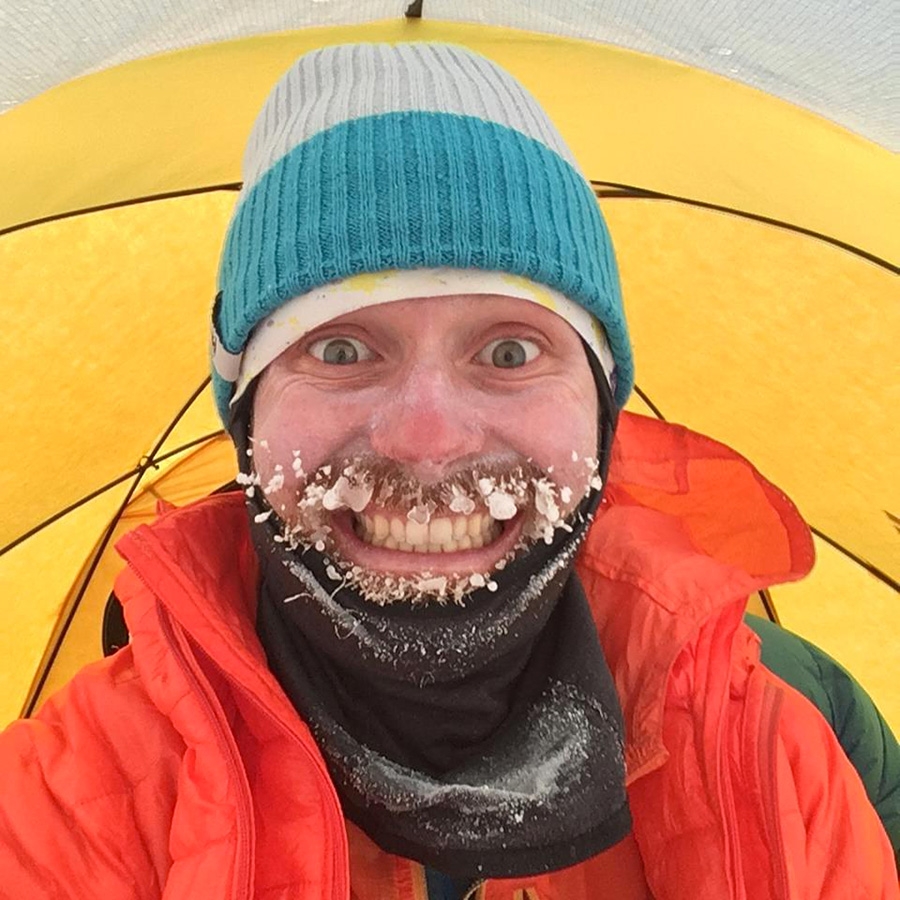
483,740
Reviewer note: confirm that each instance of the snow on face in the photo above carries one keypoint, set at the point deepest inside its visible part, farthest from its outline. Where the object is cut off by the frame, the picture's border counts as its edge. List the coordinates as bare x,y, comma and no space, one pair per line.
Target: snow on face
370,490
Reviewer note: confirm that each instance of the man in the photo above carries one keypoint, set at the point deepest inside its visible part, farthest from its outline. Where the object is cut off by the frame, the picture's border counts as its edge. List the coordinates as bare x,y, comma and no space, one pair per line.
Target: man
451,639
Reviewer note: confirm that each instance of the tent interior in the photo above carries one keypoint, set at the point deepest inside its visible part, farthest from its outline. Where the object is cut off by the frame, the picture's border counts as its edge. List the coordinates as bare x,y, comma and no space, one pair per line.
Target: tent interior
750,190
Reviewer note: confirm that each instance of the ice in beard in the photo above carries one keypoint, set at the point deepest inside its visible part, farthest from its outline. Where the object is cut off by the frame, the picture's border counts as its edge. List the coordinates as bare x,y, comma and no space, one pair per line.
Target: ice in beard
502,488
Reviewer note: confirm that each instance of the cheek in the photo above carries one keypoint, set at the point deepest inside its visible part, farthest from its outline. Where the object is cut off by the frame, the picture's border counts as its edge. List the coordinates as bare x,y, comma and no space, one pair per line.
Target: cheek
291,422
558,428
555,419
572,452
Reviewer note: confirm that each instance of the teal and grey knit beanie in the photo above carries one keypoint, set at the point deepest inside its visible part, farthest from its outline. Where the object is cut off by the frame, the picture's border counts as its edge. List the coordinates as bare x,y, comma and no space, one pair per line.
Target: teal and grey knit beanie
374,157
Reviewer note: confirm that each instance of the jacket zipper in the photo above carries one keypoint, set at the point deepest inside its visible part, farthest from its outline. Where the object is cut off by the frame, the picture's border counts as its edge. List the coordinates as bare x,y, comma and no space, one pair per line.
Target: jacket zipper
244,870
335,817
725,797
471,893
733,854
763,750
766,751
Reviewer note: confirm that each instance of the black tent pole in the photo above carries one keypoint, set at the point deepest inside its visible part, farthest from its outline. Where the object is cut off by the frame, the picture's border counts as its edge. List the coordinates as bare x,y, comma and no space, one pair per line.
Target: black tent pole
147,462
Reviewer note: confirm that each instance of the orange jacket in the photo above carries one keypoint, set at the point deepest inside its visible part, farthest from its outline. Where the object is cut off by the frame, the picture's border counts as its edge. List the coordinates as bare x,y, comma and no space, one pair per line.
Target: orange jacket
178,769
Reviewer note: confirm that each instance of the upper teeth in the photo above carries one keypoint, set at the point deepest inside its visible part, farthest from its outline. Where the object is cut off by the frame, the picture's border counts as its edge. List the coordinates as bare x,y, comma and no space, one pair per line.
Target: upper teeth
440,535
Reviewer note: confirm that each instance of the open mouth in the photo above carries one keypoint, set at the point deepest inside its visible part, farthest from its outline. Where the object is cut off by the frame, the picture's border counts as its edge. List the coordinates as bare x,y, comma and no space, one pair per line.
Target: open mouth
389,556
441,534
393,539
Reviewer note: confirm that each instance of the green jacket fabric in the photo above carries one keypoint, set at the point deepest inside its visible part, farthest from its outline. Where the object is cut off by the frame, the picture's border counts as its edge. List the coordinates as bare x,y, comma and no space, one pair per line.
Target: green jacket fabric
862,732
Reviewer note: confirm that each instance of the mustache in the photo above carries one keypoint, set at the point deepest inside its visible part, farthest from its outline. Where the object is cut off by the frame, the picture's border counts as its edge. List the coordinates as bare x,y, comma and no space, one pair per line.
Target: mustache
392,481
356,481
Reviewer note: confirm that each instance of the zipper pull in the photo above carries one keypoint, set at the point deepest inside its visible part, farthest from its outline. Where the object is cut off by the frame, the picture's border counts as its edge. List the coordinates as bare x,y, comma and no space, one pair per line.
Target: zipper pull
472,891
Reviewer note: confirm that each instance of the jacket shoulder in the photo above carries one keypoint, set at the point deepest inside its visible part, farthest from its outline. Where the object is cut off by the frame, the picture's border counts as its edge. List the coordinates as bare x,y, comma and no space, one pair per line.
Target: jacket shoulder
87,790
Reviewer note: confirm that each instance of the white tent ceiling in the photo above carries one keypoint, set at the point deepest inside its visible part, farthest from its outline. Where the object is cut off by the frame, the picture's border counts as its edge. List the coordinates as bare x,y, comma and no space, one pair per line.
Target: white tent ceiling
833,57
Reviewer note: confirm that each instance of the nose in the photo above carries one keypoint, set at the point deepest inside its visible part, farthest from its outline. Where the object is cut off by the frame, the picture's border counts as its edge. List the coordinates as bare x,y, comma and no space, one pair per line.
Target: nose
427,422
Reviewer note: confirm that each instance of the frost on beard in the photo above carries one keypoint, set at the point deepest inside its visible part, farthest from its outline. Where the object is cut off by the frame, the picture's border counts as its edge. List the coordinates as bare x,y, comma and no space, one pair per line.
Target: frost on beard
521,496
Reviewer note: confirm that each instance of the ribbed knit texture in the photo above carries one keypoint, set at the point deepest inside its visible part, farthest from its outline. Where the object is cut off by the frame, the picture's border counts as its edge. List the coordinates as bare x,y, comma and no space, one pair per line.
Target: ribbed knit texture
402,189
333,85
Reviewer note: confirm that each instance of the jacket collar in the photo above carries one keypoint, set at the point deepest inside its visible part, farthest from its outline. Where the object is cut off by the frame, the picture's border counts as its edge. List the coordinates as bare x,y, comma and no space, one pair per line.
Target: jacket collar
688,530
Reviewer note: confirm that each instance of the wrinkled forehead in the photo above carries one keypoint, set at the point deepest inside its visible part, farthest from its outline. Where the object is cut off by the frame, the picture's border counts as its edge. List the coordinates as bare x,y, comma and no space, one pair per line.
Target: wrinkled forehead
300,315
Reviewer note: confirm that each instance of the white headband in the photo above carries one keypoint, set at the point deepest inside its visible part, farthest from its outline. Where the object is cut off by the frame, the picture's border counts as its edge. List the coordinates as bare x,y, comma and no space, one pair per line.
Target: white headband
300,315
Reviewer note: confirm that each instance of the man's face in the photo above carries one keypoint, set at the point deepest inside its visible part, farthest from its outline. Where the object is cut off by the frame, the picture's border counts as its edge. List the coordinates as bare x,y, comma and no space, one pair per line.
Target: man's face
463,427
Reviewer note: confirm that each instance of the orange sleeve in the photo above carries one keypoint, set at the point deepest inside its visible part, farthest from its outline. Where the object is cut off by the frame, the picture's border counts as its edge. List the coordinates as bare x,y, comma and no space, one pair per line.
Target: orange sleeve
86,789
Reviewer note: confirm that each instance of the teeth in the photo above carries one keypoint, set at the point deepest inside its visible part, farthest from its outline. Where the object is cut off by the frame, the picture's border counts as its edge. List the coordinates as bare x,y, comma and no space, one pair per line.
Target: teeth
444,534
416,534
440,531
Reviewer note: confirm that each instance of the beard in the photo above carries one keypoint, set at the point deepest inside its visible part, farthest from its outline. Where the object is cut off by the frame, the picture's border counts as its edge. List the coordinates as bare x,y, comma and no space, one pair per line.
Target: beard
499,493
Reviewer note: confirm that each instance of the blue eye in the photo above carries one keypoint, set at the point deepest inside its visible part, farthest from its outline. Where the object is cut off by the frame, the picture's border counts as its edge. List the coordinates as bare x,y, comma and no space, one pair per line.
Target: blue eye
340,351
509,353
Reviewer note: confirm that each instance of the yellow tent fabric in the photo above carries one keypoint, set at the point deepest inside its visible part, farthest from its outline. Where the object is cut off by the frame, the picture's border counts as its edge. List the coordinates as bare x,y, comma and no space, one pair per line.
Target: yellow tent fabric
116,189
